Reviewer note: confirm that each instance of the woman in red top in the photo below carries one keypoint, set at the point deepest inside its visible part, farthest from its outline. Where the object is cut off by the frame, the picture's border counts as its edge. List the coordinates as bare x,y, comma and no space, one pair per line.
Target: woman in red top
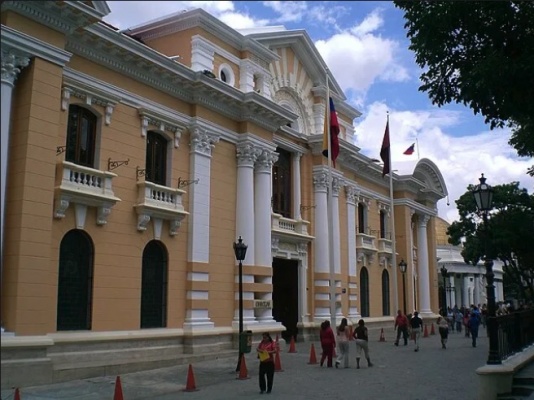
266,347
328,343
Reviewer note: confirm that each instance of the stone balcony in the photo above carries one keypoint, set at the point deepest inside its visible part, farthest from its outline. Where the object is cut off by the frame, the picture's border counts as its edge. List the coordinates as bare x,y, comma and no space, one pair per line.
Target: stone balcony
84,187
366,247
159,203
290,227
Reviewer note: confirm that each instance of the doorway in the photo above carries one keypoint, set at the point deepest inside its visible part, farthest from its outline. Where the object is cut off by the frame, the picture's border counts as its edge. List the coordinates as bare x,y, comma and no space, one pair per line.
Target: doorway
285,296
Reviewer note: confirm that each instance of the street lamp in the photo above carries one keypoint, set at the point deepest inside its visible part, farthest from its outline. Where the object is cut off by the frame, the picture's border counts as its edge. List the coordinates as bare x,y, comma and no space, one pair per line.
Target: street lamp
240,250
444,274
483,194
403,266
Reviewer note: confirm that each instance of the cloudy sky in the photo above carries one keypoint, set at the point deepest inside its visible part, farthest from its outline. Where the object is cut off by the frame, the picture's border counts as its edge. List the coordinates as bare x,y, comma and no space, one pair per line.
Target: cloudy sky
365,47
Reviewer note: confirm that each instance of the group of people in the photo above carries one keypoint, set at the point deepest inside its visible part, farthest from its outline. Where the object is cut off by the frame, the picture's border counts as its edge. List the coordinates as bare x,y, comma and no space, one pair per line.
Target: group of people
407,325
343,335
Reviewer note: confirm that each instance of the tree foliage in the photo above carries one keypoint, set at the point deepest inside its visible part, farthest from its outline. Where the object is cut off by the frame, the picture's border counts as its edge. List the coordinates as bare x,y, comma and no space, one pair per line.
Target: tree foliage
478,53
509,236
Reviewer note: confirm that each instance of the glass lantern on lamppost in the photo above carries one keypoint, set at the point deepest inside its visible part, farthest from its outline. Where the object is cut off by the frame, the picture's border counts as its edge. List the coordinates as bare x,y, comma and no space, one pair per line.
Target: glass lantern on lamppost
403,266
483,194
444,274
240,250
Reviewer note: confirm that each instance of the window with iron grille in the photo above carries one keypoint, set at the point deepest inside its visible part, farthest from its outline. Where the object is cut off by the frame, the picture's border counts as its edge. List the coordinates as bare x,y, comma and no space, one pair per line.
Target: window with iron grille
383,225
156,158
364,292
362,218
385,293
81,136
282,184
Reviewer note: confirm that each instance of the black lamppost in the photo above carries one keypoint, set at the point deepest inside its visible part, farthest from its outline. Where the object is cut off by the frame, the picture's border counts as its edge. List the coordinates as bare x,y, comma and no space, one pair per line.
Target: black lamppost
483,194
240,250
444,274
403,266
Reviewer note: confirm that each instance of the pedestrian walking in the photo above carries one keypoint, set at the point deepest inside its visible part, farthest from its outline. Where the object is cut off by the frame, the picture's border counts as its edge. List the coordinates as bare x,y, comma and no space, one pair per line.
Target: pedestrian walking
343,338
473,324
266,349
328,343
443,327
362,343
401,325
458,318
416,324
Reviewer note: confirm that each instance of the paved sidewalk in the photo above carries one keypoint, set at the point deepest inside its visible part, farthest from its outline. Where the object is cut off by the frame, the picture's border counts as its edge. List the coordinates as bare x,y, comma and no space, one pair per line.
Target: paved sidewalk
398,373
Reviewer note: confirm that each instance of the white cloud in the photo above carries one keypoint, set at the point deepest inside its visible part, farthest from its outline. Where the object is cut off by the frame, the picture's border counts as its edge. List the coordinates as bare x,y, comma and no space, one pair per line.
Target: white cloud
358,58
241,21
290,11
461,160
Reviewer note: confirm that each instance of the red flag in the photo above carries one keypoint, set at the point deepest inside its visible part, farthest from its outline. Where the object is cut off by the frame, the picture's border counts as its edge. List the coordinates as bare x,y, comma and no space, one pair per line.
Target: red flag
384,151
334,132
409,151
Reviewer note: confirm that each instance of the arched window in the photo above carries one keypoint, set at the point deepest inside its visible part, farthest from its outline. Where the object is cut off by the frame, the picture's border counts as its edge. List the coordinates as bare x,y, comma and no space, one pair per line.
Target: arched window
383,225
154,286
81,136
362,218
156,158
75,282
364,292
385,293
282,184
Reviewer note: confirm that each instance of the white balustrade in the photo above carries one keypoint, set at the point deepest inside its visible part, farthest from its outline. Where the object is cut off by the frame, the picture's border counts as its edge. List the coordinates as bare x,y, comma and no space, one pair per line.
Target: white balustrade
85,180
288,225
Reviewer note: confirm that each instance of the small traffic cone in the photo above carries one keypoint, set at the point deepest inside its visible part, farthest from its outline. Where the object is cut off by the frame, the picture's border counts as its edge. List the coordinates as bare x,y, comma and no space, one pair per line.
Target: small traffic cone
382,337
426,331
118,390
277,363
17,394
432,331
190,386
243,373
313,358
292,345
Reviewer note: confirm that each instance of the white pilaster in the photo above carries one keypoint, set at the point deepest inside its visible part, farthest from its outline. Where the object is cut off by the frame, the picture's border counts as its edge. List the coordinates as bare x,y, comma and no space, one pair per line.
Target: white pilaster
296,185
262,223
422,261
201,143
466,301
320,184
12,64
303,283
351,192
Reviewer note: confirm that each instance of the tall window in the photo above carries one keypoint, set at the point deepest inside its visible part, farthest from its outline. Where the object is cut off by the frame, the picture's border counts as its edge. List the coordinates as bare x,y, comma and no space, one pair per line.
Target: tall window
383,225
81,136
75,282
364,292
154,286
385,293
282,184
156,158
362,218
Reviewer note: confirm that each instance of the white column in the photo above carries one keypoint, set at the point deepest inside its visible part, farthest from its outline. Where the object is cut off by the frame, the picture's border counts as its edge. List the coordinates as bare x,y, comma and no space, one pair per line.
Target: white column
465,297
303,283
452,296
296,185
11,67
351,192
246,157
202,143
320,184
422,262
262,223
336,185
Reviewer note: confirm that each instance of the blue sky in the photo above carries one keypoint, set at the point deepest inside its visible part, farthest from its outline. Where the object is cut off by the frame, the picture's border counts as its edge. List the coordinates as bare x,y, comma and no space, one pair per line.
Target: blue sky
364,45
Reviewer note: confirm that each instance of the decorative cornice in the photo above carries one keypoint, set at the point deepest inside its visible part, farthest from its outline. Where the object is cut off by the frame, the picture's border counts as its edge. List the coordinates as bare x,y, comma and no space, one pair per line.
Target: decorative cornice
340,105
22,44
417,207
289,145
163,122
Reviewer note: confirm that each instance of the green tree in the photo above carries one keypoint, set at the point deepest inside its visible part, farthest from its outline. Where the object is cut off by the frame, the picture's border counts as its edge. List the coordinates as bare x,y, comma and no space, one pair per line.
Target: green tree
478,53
509,234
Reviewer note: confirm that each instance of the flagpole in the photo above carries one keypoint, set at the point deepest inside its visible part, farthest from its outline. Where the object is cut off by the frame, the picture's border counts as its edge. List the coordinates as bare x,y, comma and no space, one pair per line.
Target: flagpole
330,212
417,144
393,239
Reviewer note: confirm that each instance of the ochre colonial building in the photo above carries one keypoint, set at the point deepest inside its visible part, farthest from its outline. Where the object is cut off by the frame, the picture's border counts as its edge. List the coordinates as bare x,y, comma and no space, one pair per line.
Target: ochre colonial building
131,162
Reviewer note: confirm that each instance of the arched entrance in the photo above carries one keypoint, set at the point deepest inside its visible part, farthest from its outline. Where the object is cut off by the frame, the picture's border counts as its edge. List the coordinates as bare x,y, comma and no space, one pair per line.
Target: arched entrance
385,294
154,286
364,292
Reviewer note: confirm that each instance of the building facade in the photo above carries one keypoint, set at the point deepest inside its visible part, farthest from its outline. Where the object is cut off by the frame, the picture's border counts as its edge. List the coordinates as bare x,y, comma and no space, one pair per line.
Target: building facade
131,162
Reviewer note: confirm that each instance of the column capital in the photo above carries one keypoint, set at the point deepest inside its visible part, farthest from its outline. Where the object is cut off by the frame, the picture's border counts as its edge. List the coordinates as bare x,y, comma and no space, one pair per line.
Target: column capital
246,154
337,183
265,160
320,181
202,141
12,64
423,220
351,192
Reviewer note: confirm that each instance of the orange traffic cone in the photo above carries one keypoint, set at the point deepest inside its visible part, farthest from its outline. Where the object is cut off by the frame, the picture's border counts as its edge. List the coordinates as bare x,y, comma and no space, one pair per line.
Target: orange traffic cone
17,394
426,331
432,331
292,345
243,373
190,386
277,363
313,358
382,337
118,389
